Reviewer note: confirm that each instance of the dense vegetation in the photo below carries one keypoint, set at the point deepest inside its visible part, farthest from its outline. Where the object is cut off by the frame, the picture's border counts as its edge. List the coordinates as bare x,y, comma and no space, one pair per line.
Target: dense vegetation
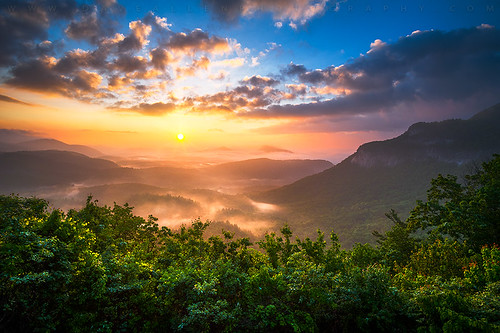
103,269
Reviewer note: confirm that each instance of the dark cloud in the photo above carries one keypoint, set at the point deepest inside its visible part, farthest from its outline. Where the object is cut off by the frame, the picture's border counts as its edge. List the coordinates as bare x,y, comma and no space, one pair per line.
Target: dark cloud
272,149
293,69
242,98
88,27
196,41
260,81
4,98
160,58
39,75
94,22
91,27
117,82
228,11
157,23
24,24
127,64
77,59
431,67
86,81
154,109
137,38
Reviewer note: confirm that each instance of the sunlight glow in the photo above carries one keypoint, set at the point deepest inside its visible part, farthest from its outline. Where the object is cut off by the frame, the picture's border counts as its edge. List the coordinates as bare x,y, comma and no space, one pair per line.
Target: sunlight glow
180,136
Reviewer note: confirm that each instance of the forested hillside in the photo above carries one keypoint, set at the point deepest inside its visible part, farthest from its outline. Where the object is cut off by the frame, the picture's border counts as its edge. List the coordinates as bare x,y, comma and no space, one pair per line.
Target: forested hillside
353,195
102,269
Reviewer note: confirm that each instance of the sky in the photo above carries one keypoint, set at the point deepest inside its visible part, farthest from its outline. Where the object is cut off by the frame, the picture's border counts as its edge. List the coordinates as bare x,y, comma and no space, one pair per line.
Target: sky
293,78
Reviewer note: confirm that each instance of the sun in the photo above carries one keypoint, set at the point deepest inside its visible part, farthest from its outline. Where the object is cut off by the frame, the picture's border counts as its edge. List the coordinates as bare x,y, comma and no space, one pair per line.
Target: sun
180,136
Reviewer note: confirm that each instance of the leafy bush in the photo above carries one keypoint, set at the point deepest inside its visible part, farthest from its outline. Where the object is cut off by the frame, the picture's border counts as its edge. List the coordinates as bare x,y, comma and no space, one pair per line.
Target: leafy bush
104,269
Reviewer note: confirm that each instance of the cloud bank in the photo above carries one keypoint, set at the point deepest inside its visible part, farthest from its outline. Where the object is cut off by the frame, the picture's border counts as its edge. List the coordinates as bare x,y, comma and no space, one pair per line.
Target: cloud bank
425,74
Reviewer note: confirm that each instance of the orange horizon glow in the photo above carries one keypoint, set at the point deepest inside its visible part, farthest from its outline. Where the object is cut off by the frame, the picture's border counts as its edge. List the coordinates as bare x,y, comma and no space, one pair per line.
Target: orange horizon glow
125,133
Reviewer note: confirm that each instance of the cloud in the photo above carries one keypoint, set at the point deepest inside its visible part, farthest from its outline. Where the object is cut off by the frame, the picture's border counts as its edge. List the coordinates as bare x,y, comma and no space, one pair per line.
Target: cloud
219,76
339,124
425,68
196,65
294,11
75,60
197,41
23,24
127,64
260,81
156,22
377,44
40,76
137,38
292,69
89,27
160,58
4,98
272,149
94,22
231,62
86,81
116,82
242,98
297,89
149,109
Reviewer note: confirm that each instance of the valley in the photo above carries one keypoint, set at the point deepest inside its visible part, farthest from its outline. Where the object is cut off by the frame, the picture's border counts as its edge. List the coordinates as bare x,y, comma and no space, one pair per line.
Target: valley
260,195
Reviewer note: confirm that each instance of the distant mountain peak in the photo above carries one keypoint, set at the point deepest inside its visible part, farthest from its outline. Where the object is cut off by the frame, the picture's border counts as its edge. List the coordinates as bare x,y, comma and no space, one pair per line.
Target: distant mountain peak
31,143
273,149
452,141
491,113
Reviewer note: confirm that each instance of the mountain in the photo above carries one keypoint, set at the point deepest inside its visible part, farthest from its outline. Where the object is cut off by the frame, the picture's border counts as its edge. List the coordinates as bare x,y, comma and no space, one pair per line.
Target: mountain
232,177
23,170
30,169
16,136
352,196
265,168
48,144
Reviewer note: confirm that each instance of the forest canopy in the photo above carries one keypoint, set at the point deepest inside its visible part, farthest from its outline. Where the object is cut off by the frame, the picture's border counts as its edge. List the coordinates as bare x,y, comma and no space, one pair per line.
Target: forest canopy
104,269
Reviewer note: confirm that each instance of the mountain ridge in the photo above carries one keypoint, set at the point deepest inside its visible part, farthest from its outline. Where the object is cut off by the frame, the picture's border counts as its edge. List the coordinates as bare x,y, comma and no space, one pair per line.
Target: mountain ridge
353,196
16,140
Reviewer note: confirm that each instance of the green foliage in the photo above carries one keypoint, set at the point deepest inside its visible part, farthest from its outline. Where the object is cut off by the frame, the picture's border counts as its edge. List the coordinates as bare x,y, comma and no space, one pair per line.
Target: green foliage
104,269
464,212
443,258
397,244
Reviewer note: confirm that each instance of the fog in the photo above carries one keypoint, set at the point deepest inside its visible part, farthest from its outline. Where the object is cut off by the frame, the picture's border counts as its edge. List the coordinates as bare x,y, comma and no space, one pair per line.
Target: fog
173,208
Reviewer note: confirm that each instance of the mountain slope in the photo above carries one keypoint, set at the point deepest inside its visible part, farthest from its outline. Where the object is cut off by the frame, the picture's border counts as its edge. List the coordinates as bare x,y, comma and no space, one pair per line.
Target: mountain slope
19,140
233,176
264,168
353,196
29,169
50,144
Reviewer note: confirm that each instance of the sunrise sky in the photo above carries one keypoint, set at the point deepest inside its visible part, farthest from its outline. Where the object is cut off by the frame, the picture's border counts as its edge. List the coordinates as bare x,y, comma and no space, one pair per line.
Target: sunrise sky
300,78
